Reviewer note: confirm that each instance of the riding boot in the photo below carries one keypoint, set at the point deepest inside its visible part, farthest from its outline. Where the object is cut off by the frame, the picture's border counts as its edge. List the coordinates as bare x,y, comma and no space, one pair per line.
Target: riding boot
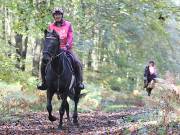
78,74
43,85
78,70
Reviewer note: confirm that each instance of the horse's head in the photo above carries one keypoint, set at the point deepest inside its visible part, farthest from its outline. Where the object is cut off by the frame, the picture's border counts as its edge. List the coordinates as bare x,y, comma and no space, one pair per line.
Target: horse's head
51,45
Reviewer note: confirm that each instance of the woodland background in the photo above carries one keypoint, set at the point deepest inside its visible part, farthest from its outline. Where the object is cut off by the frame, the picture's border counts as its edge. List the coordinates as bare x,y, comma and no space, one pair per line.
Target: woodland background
114,39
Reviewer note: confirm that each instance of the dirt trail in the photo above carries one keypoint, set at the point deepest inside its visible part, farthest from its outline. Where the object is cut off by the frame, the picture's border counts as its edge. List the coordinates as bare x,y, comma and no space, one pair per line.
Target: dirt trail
92,123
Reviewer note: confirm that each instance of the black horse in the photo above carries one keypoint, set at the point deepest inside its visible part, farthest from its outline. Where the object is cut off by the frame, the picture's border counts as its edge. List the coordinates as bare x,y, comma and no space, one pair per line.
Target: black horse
60,78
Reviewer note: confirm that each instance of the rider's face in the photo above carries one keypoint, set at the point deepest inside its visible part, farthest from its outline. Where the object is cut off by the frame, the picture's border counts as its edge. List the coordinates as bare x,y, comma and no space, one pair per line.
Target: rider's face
57,17
151,65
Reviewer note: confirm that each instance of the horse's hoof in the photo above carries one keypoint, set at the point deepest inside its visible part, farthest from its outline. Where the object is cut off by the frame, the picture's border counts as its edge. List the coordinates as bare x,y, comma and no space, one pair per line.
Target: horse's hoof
76,123
69,123
52,118
60,127
148,91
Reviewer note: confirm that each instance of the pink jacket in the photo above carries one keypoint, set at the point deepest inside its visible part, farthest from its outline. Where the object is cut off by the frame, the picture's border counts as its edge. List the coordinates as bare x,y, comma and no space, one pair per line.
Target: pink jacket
65,33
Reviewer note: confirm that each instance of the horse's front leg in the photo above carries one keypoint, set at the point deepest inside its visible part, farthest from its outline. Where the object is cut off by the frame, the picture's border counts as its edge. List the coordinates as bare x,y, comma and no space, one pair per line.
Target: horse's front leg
49,105
151,86
67,113
76,100
62,110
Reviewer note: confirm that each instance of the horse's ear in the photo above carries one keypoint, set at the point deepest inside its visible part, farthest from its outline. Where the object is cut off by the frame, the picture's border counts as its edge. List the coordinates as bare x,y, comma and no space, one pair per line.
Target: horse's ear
55,32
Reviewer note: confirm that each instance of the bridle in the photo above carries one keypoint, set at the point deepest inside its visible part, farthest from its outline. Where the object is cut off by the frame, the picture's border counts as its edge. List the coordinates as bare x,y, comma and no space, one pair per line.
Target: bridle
47,52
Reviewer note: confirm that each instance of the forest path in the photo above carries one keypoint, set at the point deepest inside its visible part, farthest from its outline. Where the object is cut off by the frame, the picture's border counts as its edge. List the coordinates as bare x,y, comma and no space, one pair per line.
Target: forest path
137,120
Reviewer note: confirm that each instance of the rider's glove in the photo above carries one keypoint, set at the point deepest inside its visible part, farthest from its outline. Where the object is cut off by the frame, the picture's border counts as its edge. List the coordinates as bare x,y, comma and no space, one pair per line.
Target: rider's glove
68,46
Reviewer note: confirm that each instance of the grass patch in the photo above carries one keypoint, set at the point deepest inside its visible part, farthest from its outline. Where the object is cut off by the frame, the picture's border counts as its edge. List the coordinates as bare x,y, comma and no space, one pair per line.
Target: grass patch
114,108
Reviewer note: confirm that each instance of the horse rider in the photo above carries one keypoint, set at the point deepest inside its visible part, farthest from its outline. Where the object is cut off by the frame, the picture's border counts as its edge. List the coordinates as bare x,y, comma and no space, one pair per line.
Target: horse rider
150,73
65,32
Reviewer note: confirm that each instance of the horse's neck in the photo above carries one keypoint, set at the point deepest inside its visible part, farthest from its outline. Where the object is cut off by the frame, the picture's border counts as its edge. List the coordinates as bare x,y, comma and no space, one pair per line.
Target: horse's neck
57,65
61,65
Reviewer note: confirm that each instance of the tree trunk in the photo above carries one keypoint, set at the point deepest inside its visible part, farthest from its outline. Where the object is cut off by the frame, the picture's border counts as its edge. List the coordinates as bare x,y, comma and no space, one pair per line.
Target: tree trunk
21,50
18,45
37,57
3,23
89,60
39,42
23,53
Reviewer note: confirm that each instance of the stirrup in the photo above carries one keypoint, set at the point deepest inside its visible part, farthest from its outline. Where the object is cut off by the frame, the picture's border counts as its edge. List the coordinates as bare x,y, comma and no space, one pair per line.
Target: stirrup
81,86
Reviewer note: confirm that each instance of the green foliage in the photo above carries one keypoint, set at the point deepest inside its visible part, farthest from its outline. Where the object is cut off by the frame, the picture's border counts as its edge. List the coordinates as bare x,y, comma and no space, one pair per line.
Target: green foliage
92,101
117,37
8,71
118,84
114,108
120,32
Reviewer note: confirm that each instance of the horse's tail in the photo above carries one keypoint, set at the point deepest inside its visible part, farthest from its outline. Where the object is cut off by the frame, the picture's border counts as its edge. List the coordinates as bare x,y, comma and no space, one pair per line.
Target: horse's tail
72,95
